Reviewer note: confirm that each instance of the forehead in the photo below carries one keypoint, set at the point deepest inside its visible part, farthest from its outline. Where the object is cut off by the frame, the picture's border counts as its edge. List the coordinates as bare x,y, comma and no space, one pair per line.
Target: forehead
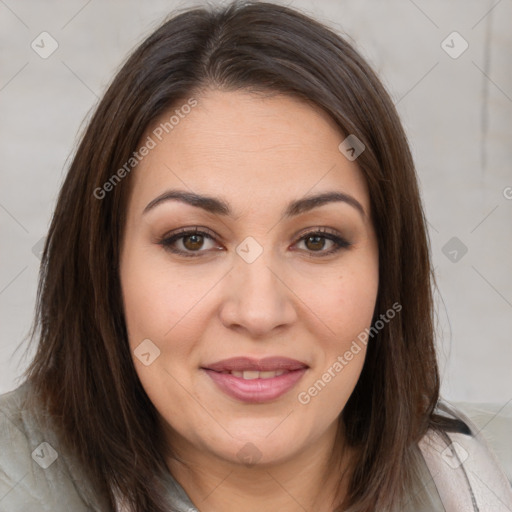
247,148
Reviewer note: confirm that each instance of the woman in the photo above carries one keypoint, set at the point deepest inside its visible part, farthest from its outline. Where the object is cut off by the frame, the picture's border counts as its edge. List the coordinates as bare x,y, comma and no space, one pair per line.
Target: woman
235,306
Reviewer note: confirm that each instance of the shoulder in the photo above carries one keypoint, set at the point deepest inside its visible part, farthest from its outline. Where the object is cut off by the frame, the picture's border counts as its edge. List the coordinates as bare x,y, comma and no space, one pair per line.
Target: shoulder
494,422
35,473
464,467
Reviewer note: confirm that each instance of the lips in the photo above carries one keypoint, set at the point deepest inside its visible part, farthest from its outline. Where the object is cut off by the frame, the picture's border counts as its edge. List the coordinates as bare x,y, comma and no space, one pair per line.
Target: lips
256,380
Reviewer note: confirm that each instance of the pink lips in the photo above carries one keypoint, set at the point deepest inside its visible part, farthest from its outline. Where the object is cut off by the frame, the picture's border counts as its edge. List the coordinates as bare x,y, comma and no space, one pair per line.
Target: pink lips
253,388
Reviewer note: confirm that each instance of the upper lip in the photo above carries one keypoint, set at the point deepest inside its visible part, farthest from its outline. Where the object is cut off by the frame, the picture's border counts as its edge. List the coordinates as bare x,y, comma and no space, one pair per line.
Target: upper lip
266,364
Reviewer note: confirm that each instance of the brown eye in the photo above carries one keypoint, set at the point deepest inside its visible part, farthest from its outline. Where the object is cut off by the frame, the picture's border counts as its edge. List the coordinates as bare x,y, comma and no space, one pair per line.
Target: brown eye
189,242
315,243
193,242
322,243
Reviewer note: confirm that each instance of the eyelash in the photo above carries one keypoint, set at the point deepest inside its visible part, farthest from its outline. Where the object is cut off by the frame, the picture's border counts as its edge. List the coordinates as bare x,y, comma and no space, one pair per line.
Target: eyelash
168,241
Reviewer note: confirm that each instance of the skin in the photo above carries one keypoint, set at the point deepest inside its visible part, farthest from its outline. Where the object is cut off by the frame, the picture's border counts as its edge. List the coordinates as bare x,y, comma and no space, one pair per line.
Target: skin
257,153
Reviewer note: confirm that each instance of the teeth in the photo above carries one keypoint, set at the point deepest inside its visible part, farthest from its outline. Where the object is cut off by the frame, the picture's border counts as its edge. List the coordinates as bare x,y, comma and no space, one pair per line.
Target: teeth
269,375
254,374
250,375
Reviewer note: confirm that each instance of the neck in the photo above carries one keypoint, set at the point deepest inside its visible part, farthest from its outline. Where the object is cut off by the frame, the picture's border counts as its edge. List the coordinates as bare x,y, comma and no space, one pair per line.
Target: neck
305,482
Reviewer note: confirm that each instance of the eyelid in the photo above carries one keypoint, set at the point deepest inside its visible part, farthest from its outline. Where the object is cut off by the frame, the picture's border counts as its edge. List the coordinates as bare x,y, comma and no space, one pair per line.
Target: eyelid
171,237
339,241
320,229
190,230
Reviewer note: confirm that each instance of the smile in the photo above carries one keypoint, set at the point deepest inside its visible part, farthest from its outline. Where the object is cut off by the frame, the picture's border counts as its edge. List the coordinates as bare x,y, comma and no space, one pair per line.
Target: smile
256,381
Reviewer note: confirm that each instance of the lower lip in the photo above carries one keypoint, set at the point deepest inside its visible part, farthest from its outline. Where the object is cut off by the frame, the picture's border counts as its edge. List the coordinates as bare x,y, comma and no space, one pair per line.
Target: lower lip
256,391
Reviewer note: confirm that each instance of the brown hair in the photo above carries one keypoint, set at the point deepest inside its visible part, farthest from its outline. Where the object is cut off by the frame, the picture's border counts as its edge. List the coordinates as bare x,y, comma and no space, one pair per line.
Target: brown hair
83,372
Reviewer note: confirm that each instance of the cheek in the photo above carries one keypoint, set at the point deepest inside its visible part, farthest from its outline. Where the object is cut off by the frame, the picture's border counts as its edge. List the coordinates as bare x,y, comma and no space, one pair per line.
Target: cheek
340,355
345,303
345,300
168,307
159,307
157,297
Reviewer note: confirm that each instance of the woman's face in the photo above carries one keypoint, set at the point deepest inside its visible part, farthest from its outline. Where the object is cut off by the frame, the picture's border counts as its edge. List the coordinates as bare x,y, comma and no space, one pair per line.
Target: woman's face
241,334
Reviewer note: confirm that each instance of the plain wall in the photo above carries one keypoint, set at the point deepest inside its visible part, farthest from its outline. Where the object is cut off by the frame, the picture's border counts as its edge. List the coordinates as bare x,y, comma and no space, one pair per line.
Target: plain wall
457,113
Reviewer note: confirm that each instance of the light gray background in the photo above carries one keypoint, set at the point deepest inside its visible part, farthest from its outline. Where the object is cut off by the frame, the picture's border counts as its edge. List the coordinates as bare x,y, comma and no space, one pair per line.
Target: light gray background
457,113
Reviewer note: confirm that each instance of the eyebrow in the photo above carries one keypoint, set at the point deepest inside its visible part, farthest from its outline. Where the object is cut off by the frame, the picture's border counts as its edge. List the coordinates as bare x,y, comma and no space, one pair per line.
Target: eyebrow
220,207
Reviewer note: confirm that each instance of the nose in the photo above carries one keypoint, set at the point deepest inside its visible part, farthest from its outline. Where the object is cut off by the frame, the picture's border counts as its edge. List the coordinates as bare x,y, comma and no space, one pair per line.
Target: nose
256,298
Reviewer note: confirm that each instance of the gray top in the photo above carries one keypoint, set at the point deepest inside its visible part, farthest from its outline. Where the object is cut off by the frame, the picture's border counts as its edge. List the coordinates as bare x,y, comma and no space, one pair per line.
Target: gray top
36,475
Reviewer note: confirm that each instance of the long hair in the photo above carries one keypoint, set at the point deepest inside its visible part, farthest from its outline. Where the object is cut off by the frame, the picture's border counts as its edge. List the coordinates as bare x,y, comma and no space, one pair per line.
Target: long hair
83,373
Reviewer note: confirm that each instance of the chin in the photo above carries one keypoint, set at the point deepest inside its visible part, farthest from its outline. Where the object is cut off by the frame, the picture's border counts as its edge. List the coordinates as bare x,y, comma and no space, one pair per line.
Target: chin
258,446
